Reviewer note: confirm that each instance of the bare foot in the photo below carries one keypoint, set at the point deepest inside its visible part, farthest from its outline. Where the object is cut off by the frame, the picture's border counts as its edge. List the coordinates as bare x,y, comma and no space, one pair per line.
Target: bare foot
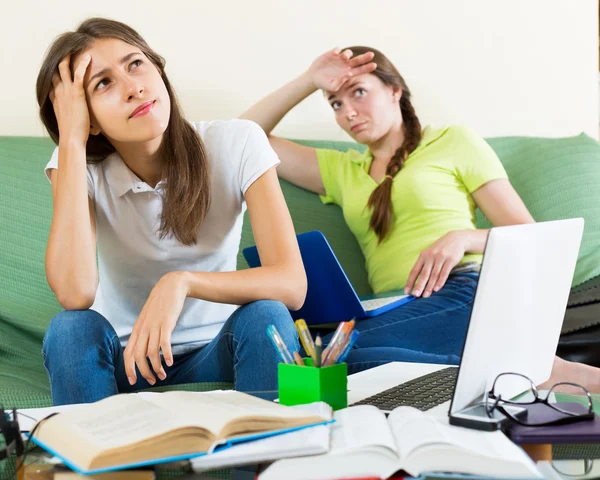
580,373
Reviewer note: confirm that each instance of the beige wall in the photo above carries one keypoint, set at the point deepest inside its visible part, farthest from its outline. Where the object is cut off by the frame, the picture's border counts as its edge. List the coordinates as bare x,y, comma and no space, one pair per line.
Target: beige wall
502,66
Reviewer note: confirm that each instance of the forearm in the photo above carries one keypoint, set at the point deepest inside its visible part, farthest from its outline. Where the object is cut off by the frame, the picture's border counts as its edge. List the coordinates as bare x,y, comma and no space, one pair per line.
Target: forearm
71,254
281,283
269,111
474,240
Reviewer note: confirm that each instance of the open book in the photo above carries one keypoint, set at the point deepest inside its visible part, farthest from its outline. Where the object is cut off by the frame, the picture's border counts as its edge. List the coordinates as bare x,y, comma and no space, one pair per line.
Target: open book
366,444
299,443
129,430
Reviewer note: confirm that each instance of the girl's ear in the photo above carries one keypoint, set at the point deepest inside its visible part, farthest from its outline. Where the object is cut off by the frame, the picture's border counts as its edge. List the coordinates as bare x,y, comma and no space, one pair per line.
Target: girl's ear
94,130
397,95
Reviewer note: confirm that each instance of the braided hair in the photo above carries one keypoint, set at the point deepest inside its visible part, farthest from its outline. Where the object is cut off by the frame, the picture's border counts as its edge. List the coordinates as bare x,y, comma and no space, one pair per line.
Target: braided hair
380,200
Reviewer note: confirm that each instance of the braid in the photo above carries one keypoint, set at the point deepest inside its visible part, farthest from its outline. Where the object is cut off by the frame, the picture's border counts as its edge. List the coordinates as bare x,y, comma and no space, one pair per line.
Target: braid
381,198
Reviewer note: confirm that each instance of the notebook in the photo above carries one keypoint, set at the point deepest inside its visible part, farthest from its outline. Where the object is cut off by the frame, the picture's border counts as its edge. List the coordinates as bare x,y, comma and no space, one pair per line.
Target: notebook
585,431
330,297
128,430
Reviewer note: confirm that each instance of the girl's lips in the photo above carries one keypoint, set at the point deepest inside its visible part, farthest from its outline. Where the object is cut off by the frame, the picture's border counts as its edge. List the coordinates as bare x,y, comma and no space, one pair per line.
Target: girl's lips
358,126
143,111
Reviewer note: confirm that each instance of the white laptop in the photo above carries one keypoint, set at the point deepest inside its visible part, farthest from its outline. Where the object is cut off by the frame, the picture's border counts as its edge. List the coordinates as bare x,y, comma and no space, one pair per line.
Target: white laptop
515,321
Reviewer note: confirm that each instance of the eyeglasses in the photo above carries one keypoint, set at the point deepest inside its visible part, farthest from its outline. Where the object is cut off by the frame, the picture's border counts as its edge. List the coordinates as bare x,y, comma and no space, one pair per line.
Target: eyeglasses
507,383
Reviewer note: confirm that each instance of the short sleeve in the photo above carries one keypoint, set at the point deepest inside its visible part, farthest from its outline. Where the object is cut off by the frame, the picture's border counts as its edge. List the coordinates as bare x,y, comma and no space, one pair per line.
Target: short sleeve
331,163
257,156
475,161
53,163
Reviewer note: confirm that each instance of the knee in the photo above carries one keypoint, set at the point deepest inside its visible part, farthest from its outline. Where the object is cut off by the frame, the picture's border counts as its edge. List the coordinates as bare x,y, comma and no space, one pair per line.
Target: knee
74,328
255,317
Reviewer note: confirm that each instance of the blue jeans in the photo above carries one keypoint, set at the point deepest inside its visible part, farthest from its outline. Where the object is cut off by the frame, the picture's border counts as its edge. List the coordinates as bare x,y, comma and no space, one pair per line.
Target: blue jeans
426,330
84,358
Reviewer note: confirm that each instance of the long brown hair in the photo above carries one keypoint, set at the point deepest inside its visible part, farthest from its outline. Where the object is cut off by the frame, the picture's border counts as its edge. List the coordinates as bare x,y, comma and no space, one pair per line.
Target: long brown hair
183,156
381,198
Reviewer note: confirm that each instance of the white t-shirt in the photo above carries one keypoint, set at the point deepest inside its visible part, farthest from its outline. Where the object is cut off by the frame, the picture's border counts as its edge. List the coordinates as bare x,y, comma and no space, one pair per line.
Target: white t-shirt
132,258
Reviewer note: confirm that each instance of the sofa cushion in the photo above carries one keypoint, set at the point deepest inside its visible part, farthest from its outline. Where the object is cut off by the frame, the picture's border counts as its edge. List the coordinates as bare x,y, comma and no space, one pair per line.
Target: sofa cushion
557,178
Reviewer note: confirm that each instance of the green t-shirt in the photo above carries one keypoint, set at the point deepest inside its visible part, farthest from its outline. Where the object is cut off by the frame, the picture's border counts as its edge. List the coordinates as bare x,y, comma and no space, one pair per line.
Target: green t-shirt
430,197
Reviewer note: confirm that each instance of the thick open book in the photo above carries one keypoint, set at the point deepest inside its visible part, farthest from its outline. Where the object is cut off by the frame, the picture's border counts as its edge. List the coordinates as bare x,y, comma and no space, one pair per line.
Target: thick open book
299,443
131,430
366,444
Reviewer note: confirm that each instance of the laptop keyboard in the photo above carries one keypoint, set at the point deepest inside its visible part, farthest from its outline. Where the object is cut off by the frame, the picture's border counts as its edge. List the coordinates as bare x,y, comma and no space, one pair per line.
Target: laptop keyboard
376,303
423,392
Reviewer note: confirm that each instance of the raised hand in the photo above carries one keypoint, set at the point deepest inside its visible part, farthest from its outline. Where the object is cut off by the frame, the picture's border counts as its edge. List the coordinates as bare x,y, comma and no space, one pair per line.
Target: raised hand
69,101
334,68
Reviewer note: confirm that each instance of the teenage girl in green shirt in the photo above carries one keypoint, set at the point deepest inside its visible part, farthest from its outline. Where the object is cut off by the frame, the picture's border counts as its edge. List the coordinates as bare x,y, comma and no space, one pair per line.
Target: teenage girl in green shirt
410,200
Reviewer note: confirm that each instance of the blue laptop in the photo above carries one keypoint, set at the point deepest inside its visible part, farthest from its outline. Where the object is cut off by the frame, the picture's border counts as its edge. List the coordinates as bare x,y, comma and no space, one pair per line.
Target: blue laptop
330,297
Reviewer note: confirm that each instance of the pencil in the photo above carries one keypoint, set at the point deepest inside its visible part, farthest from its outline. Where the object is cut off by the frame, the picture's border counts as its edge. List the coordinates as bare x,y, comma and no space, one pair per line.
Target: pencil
298,359
318,348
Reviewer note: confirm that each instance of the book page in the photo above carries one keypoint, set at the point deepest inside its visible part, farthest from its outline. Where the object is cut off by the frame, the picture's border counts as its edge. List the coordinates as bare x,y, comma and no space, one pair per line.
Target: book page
361,446
214,410
360,427
28,417
114,421
412,430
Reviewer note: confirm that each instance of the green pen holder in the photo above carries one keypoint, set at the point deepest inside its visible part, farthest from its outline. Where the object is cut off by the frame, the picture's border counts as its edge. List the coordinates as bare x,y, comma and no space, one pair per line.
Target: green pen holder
298,385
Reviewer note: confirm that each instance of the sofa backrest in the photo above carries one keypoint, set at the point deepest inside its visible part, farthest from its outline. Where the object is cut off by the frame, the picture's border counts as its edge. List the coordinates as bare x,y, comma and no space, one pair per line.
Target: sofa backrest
557,178
26,302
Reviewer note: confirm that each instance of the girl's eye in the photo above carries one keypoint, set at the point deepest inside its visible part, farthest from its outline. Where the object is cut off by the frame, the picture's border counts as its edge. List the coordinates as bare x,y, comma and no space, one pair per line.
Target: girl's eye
335,105
138,62
359,92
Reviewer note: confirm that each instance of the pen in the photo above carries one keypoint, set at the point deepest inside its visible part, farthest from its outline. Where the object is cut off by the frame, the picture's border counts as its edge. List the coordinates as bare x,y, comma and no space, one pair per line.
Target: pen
348,347
318,347
305,338
337,333
337,344
279,345
298,359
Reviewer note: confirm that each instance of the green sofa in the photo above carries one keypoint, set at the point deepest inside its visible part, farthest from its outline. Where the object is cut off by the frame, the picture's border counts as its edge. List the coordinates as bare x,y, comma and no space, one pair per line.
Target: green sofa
557,178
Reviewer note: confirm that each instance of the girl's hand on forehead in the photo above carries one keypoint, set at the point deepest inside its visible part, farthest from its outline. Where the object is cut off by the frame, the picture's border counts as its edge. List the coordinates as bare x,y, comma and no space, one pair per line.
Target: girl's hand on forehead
334,68
69,101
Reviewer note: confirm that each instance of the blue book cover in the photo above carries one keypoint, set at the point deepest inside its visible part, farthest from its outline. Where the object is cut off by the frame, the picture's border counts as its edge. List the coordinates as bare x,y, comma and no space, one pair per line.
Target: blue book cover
217,447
